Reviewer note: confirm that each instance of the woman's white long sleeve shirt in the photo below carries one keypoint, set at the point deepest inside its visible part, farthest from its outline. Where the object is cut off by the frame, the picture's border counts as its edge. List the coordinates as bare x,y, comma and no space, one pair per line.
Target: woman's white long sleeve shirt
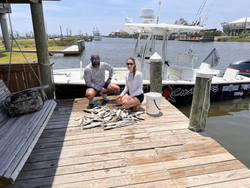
134,85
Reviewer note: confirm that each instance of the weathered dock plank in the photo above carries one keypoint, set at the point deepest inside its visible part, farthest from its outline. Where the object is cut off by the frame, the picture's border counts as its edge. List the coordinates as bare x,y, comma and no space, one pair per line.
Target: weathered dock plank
216,178
158,152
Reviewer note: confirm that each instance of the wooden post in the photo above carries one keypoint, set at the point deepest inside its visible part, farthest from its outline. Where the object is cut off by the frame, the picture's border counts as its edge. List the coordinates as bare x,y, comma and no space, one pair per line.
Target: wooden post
42,47
3,23
156,73
245,28
201,100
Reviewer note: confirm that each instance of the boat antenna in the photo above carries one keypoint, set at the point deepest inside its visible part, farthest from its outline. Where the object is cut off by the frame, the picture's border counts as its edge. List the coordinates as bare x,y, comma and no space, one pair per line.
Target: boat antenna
158,12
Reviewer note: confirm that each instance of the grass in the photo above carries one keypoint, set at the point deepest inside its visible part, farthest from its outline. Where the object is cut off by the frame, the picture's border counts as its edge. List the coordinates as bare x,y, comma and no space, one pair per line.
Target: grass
17,57
232,39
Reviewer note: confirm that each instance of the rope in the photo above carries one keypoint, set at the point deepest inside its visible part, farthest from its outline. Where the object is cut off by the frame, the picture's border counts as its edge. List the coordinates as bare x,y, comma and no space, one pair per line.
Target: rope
190,51
27,62
203,107
195,22
13,38
10,51
10,63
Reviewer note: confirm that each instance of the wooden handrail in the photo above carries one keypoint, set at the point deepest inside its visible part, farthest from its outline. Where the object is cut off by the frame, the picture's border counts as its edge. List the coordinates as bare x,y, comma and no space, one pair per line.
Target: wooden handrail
21,76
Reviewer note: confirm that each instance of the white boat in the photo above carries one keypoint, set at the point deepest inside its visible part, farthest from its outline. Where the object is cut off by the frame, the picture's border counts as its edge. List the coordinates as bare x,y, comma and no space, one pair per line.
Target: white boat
96,34
178,81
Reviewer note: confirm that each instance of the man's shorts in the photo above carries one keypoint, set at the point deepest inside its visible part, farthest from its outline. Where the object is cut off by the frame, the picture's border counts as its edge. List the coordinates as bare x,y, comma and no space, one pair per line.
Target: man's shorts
105,86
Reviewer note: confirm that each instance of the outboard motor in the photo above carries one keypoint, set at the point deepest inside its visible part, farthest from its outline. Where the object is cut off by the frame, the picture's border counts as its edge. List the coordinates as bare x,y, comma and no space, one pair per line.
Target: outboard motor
243,65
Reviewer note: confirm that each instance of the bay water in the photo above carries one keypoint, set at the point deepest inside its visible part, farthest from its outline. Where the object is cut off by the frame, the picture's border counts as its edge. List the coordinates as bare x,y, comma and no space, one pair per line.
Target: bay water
228,121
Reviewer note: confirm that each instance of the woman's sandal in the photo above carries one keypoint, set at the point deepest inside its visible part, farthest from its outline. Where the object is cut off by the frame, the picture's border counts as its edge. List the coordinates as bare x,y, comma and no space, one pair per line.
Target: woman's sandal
135,108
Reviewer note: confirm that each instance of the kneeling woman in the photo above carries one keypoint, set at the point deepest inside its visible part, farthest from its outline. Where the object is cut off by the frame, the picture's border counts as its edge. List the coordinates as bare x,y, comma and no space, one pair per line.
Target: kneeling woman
132,95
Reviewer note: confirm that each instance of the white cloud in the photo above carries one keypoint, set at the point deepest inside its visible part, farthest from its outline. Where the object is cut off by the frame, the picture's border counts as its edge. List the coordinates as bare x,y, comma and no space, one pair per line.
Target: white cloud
56,7
123,13
21,15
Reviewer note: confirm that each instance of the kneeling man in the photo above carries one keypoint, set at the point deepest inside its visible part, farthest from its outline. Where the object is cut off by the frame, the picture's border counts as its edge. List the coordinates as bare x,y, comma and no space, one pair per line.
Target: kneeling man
94,75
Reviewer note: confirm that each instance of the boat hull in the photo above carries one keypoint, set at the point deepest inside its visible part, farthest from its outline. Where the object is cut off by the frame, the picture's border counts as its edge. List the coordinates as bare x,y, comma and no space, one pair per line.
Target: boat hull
97,38
174,93
184,93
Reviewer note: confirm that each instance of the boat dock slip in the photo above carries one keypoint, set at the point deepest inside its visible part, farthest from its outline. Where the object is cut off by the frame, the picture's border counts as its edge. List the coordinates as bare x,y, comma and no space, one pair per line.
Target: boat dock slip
72,50
68,51
156,152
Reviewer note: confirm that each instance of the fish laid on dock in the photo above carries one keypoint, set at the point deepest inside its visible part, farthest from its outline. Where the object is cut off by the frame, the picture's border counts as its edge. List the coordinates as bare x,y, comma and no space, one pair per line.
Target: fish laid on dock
107,118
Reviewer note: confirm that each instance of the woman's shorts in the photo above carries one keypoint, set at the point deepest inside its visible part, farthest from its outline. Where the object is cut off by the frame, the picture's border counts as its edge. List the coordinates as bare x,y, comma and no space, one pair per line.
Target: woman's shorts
140,97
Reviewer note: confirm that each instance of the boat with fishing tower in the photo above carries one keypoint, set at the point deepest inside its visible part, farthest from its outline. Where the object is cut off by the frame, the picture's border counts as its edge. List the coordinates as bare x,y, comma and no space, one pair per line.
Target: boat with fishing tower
178,78
96,34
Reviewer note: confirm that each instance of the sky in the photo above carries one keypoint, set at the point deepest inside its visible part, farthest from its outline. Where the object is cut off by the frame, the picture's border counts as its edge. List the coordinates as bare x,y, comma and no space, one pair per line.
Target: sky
81,16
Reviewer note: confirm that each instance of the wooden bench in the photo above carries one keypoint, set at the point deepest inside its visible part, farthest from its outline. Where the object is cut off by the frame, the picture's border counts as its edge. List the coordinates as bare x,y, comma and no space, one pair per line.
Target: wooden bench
18,136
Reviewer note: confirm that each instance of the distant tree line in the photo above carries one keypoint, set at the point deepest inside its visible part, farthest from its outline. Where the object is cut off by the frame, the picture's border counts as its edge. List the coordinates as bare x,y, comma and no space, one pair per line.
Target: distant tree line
127,36
217,33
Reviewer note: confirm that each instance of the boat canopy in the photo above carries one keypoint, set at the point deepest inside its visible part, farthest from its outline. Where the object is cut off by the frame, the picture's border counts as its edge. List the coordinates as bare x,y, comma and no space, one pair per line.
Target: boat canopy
159,29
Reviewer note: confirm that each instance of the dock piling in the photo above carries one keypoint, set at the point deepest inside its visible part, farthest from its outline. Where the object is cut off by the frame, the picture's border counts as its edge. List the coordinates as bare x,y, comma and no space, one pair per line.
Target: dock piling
201,100
42,47
156,73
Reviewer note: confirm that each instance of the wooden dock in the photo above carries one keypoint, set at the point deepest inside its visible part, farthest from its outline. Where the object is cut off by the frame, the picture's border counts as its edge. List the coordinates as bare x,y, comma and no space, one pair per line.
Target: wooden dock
157,152
72,50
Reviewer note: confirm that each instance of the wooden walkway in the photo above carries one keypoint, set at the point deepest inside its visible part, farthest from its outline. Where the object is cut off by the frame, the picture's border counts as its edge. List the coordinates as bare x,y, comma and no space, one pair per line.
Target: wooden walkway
157,152
72,50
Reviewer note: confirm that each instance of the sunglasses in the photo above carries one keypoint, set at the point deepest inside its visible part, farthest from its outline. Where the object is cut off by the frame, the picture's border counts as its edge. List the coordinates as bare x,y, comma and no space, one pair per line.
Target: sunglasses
94,60
130,64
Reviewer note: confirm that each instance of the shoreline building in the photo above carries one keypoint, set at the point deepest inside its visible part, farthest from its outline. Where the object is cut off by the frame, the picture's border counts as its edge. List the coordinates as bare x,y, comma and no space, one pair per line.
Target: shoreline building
239,27
121,32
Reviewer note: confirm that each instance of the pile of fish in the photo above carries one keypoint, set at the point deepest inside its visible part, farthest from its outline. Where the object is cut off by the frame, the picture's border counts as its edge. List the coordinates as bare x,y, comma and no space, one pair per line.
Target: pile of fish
107,118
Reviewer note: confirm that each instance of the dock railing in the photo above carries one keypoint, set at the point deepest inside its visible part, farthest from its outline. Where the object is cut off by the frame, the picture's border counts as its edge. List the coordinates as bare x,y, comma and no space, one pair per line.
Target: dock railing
21,76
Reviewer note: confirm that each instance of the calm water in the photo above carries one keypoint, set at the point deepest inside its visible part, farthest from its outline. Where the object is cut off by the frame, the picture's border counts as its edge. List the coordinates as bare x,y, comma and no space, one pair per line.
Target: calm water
228,121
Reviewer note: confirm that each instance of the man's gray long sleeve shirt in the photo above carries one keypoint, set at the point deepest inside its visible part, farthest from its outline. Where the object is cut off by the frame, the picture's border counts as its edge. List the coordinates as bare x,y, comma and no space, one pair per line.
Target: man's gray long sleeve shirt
95,77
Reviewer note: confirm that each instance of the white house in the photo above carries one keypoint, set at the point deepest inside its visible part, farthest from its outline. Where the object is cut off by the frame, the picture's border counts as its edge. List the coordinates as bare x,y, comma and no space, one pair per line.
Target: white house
240,26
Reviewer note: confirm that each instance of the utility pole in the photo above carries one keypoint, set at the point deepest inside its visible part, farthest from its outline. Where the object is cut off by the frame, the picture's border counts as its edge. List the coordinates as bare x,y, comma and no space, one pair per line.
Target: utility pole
67,33
61,32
